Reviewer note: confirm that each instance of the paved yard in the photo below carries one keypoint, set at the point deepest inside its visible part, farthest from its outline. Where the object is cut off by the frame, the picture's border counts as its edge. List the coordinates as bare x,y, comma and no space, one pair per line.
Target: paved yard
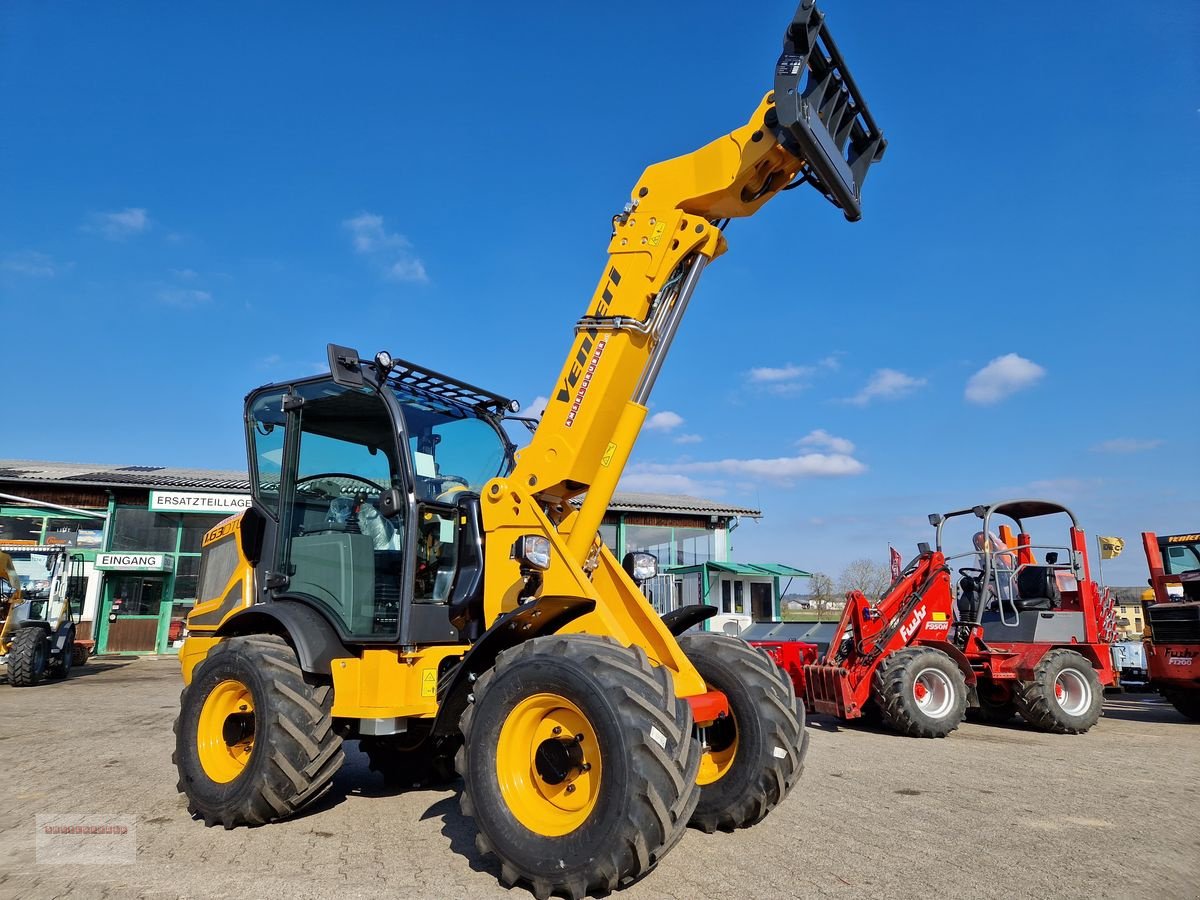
988,812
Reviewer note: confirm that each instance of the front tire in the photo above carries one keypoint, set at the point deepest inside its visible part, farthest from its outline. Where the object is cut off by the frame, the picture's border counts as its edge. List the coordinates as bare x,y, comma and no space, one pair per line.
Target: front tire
578,764
66,658
27,655
1065,695
753,758
254,741
921,692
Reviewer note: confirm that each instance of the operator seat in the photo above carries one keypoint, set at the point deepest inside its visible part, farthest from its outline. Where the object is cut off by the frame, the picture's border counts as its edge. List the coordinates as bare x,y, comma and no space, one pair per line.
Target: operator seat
466,594
1037,589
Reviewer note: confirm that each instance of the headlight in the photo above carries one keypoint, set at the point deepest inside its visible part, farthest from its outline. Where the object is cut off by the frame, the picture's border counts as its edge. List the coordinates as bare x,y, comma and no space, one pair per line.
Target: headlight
532,550
640,566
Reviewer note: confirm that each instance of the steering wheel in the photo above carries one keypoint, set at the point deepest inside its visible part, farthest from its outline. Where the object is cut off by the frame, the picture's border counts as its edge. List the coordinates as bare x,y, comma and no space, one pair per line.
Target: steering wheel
971,572
366,481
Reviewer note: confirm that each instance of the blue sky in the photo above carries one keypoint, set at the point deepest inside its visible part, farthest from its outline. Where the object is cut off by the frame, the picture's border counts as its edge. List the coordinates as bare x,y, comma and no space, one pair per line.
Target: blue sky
195,200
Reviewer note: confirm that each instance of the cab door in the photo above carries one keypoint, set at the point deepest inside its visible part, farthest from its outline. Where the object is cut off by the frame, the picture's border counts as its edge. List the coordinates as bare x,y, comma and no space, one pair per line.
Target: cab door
323,476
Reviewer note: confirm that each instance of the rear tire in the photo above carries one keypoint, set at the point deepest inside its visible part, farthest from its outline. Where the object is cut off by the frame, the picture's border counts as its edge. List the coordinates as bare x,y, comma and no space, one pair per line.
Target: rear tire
562,828
1186,701
921,692
1065,695
254,741
27,655
756,755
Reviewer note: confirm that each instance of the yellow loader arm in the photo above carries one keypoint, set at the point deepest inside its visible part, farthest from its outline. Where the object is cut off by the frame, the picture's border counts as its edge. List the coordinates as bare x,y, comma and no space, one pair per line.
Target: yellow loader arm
812,128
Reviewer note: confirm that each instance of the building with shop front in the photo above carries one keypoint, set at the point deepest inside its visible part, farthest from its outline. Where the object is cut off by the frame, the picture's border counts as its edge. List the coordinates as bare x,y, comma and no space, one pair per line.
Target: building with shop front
138,529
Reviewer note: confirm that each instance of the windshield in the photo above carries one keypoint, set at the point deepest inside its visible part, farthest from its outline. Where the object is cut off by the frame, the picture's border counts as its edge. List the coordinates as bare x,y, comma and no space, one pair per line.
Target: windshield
1180,553
452,449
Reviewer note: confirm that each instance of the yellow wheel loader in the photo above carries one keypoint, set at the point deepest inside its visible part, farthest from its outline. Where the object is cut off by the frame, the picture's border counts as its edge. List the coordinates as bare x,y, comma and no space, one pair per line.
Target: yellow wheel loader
38,621
406,579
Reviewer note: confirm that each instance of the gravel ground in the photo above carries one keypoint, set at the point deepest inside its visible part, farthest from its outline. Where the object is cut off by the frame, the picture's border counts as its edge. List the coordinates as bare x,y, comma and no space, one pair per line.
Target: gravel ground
988,812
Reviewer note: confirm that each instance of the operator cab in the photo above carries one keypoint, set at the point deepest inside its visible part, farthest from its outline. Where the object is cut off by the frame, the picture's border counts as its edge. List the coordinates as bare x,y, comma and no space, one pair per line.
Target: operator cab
1018,588
368,483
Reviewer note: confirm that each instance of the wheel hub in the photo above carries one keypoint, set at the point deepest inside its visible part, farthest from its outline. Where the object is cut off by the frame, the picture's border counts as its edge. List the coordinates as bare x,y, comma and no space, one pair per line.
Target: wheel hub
548,764
225,731
558,759
933,693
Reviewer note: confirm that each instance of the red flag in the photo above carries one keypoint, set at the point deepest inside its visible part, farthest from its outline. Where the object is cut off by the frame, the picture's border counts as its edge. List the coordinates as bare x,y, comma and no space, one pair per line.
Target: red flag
897,563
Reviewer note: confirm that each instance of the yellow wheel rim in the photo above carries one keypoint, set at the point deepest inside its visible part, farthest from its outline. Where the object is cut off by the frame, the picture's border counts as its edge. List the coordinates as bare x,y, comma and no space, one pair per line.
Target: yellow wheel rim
720,750
548,765
225,733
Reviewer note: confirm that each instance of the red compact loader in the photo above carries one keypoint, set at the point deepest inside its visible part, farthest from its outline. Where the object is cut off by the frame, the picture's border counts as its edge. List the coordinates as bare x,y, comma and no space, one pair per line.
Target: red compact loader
1018,635
1172,635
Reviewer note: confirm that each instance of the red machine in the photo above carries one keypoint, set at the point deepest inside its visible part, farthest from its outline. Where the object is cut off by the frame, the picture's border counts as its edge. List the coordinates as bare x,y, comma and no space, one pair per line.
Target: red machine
1021,636
1172,635
785,643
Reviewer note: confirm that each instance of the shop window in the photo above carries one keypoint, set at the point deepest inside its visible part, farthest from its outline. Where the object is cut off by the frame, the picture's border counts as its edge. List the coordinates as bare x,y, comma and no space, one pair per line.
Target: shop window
738,598
693,546
187,577
85,533
726,597
141,529
193,531
608,534
21,528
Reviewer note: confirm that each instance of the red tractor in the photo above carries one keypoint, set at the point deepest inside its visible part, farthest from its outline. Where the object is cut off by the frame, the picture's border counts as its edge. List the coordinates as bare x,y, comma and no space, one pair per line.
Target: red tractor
1172,635
1021,636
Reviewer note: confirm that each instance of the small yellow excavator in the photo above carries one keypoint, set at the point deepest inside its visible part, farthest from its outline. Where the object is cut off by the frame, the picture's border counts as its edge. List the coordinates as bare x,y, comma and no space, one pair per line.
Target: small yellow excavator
404,578
38,621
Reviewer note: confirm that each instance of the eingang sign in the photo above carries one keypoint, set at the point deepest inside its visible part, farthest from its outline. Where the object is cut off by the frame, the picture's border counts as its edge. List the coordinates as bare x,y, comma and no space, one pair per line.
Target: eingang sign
135,562
197,502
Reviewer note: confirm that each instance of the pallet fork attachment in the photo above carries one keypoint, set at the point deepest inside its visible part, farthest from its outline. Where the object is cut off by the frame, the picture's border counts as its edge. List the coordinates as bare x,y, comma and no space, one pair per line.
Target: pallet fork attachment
821,115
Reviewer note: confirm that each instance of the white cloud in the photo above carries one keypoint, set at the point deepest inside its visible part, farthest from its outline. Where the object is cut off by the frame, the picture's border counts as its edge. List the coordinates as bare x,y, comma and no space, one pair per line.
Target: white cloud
185,274
667,483
822,439
886,384
783,469
121,225
535,407
1002,377
32,263
391,252
769,375
1127,445
689,439
664,421
184,298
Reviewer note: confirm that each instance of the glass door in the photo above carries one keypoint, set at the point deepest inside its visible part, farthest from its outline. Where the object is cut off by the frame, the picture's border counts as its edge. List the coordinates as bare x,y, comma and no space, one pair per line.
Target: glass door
133,605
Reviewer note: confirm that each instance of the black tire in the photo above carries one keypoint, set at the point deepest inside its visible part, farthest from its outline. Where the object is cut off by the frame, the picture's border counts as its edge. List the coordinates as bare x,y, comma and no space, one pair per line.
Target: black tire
767,722
1039,702
647,755
294,751
27,656
404,766
1184,700
921,692
996,705
61,668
